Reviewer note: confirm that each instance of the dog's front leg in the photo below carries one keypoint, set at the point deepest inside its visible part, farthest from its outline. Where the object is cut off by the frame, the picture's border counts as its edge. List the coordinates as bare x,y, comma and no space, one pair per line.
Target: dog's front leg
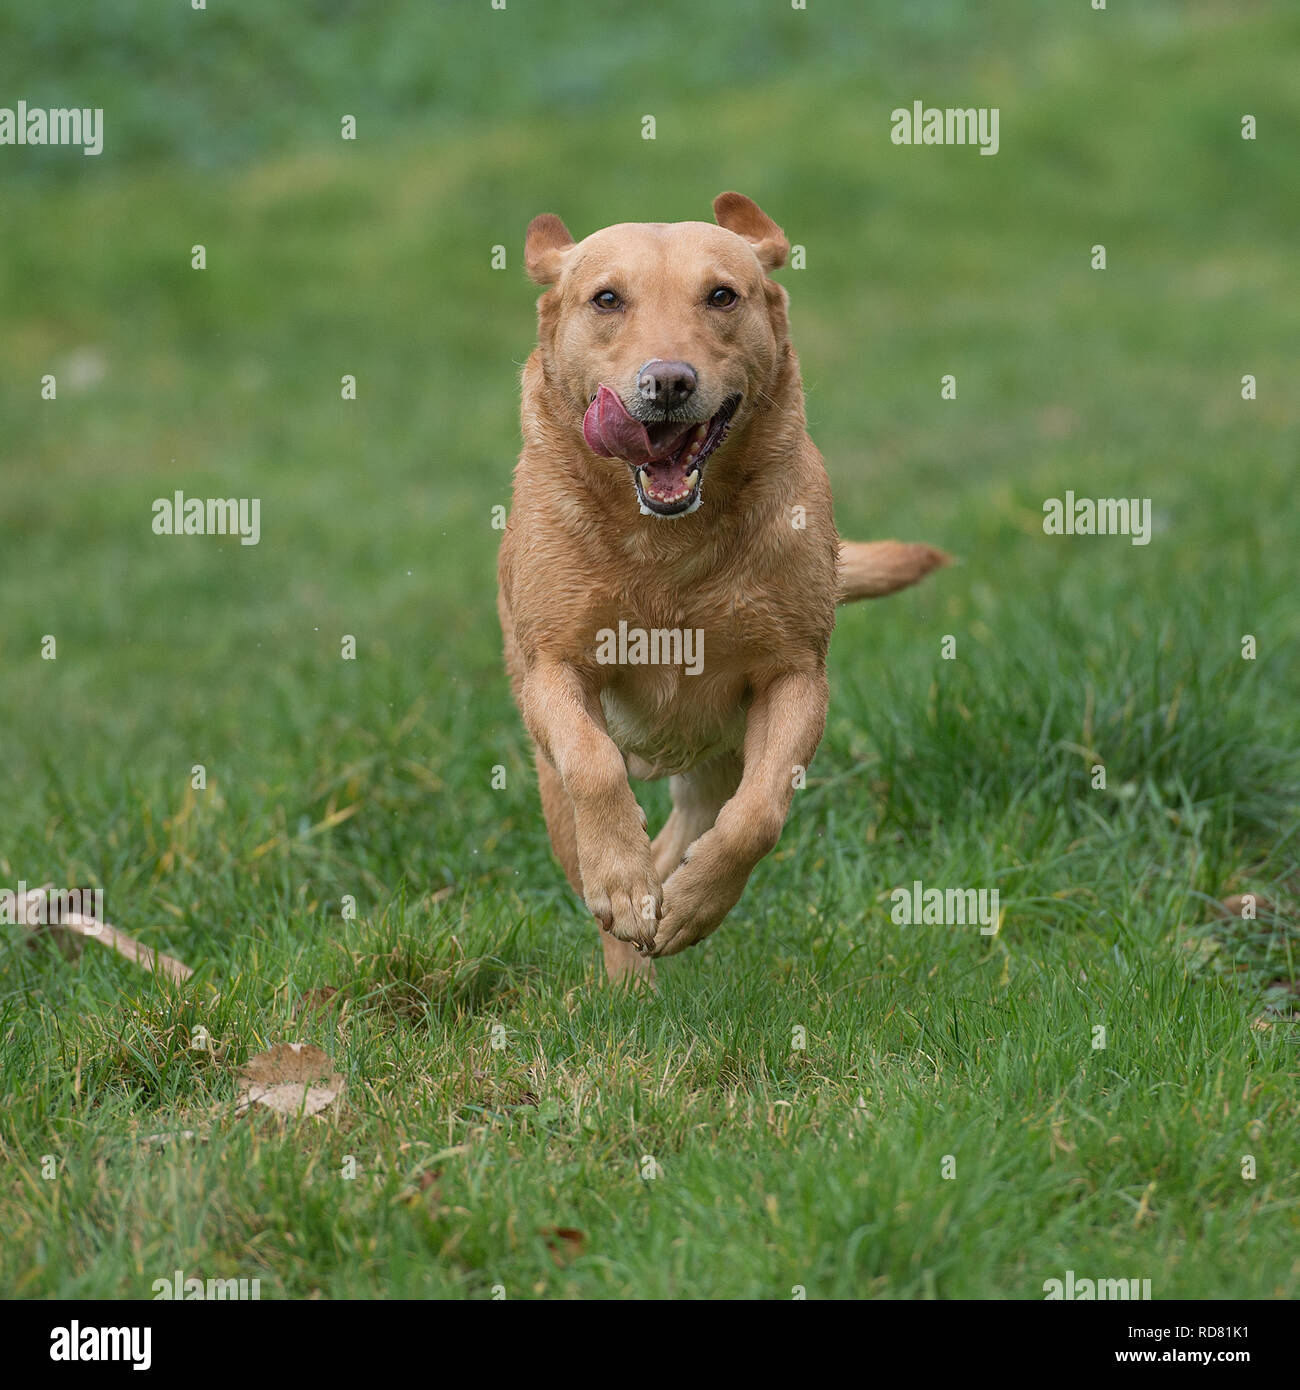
619,884
784,726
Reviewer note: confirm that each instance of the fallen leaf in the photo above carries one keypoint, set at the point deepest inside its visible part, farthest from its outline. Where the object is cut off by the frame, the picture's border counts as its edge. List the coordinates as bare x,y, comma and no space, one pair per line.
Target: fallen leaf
564,1242
1232,907
291,1079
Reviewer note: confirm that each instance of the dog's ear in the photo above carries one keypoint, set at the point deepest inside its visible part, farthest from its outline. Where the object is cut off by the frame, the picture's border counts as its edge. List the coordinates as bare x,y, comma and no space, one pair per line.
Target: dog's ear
743,216
544,247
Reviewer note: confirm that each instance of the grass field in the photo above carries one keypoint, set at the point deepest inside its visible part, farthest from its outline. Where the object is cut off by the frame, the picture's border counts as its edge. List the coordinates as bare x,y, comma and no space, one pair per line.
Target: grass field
777,1166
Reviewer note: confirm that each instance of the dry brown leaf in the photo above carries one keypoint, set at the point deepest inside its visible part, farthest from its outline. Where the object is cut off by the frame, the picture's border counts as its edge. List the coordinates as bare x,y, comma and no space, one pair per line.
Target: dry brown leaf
73,928
291,1079
564,1242
425,1189
1233,906
1274,1014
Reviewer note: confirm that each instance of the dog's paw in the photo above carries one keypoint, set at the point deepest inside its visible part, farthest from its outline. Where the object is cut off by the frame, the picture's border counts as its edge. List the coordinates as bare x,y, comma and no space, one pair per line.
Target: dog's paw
694,905
679,928
625,896
683,924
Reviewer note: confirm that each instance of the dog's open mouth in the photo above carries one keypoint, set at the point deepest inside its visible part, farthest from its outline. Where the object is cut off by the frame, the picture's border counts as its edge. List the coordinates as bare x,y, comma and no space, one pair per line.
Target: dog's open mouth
667,457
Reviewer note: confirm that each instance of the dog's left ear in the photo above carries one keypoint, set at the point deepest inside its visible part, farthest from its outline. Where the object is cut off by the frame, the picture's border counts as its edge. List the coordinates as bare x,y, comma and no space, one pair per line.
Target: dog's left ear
544,247
743,216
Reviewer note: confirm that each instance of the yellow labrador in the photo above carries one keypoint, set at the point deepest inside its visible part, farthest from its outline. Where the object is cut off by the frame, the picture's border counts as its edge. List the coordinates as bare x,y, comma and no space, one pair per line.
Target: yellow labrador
670,569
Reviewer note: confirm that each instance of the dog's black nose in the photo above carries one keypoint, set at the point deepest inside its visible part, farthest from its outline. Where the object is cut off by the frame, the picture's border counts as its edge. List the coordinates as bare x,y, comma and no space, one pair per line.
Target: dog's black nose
668,384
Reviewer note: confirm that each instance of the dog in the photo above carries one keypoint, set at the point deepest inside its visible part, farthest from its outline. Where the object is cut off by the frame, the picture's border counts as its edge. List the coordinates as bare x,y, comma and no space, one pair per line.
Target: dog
668,497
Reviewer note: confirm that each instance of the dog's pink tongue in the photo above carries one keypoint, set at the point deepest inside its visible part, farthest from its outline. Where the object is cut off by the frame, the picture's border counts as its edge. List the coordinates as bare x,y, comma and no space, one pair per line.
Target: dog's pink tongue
611,432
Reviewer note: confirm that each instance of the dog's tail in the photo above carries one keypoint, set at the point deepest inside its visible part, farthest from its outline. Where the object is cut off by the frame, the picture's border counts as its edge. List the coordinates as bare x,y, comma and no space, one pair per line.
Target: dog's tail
872,569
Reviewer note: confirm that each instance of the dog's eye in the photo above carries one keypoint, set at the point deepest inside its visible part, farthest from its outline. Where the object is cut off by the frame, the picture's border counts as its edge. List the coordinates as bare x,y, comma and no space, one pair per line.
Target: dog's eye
607,301
722,298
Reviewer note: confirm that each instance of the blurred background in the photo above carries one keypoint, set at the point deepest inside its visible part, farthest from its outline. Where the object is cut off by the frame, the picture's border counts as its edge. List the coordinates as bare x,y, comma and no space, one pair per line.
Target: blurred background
373,258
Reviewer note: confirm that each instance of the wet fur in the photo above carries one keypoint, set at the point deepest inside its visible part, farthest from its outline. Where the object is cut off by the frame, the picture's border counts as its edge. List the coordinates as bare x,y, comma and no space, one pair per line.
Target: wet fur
578,556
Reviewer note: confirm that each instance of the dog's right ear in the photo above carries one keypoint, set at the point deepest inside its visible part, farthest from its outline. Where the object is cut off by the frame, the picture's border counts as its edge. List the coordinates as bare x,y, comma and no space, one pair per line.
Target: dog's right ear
544,248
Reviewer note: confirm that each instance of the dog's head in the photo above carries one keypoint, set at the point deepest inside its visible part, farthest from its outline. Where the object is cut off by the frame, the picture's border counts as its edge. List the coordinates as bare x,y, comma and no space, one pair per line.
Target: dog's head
660,337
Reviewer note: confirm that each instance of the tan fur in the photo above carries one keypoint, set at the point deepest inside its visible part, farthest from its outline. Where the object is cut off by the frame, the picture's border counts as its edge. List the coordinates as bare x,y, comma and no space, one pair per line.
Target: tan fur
872,569
579,557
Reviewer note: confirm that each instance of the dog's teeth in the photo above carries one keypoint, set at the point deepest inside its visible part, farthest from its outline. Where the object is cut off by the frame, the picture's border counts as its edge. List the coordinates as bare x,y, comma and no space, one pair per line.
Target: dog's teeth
644,477
701,430
692,478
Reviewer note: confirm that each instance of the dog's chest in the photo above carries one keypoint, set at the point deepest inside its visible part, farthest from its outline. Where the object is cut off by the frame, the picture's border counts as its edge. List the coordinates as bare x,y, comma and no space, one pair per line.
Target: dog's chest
677,687
666,721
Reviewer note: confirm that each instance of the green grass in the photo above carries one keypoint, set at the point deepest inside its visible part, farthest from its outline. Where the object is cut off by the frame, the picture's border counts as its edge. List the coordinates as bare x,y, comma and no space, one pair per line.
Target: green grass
778,1166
